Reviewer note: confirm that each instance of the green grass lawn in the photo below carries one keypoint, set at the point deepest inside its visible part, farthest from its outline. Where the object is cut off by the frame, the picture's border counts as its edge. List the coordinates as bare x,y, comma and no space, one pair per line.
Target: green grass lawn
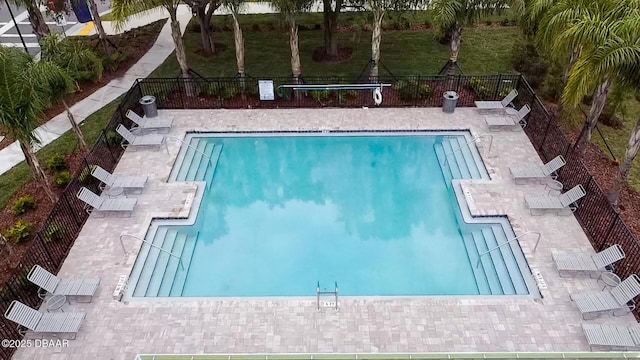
15,178
403,53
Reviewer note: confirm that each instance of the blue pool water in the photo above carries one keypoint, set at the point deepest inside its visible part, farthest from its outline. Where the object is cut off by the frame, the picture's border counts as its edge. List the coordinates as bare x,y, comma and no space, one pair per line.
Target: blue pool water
376,214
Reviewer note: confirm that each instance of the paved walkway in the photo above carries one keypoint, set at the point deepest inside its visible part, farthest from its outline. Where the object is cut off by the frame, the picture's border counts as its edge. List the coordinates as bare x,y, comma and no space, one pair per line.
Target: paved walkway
54,128
118,330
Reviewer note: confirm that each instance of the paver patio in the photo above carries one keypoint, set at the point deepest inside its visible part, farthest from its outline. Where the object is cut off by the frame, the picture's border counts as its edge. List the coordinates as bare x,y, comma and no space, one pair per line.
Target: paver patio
118,330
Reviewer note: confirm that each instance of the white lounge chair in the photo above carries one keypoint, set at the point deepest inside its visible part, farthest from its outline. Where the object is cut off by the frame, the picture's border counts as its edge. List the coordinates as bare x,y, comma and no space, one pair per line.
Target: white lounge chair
612,336
536,171
560,202
98,203
587,263
54,285
44,323
497,121
147,124
608,301
128,139
497,105
121,181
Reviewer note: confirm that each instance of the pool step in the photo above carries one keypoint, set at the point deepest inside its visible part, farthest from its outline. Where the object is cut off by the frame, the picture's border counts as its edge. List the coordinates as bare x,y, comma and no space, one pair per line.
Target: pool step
487,264
520,287
190,153
467,155
162,263
173,265
484,288
454,158
149,262
180,277
197,160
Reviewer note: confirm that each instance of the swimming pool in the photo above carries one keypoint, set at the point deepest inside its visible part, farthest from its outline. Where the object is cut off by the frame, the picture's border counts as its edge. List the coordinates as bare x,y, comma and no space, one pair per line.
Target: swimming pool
376,213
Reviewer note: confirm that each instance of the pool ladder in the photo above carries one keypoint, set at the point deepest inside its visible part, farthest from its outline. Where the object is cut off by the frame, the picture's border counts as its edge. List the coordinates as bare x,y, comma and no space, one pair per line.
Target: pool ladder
333,304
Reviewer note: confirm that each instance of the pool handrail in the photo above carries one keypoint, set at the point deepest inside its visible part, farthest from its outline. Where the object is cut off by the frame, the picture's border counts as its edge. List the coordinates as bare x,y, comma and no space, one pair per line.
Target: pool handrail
473,140
150,244
509,241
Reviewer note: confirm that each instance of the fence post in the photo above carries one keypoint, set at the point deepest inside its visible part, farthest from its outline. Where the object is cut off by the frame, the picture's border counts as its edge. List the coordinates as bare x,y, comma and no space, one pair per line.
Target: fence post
495,95
458,84
46,251
415,94
106,141
613,223
73,213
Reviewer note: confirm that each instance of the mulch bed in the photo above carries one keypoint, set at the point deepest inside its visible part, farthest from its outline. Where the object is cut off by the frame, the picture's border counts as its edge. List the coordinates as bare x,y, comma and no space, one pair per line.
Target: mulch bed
135,43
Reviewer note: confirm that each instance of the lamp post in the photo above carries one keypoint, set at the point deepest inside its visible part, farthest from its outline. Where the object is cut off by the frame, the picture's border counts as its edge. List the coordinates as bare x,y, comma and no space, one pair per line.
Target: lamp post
16,24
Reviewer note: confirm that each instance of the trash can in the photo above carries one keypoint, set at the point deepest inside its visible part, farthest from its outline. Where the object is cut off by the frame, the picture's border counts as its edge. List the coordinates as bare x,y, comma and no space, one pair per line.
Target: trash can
149,106
450,101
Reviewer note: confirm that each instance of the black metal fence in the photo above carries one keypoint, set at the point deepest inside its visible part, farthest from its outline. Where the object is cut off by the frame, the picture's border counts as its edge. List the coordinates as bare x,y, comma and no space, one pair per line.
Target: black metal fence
51,245
600,221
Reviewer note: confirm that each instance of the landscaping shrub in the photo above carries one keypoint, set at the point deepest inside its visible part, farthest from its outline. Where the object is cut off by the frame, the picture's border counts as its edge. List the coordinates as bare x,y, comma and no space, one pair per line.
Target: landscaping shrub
24,204
321,95
113,137
412,90
62,178
57,162
85,176
553,83
54,232
20,232
75,57
488,22
480,89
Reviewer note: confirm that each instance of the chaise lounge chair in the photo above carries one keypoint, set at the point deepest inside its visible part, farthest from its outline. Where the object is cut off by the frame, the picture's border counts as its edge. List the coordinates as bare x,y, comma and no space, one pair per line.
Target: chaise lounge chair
128,139
497,105
609,301
155,123
588,263
97,203
508,120
44,323
537,172
54,285
563,201
612,336
122,181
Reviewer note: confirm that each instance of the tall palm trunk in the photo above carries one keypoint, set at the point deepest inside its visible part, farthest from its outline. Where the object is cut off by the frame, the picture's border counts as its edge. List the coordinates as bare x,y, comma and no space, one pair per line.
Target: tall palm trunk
376,37
39,25
75,127
296,68
206,31
102,35
330,16
623,173
36,169
239,43
454,48
599,100
181,54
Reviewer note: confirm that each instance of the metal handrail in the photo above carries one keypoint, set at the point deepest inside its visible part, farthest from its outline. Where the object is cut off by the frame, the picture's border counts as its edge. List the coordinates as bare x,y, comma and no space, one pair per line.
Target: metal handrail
150,244
472,141
335,293
188,145
334,86
509,241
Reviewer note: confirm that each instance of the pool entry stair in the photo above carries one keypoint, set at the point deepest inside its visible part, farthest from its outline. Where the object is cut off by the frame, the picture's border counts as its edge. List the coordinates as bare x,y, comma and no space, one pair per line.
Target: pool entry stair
160,274
496,268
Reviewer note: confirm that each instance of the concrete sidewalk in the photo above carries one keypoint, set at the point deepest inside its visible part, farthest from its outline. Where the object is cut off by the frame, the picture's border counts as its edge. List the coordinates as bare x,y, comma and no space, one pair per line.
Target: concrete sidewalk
54,128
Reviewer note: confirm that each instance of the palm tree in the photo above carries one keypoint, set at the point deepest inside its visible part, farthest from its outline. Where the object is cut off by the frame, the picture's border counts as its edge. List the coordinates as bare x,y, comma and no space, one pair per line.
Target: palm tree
78,63
609,45
123,9
623,173
331,10
451,16
290,11
204,10
234,7
25,91
379,8
38,23
102,35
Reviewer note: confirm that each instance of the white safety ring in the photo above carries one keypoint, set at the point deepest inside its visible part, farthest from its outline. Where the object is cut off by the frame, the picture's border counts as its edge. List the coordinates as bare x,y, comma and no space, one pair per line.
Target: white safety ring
377,96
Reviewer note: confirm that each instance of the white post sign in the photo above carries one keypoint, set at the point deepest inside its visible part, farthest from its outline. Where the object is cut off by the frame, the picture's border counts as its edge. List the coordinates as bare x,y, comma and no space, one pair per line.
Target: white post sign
266,89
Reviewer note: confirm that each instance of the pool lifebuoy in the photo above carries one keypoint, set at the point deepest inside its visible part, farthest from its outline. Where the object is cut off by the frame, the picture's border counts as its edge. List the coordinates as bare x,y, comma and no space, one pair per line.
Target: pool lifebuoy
377,96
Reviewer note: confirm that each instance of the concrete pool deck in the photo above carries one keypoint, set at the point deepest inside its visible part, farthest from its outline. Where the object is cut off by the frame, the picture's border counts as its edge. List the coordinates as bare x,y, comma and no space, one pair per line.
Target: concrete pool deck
117,330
